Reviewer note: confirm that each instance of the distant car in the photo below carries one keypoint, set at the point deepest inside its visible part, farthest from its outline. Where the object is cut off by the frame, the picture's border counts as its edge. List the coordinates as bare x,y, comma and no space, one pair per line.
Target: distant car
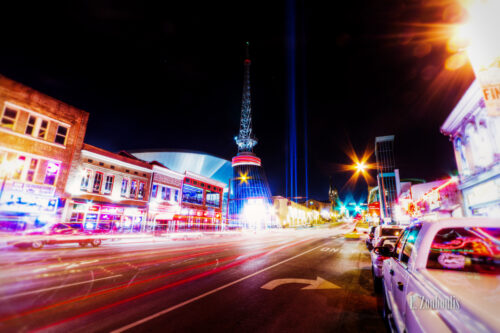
352,235
368,241
59,233
387,231
381,251
363,227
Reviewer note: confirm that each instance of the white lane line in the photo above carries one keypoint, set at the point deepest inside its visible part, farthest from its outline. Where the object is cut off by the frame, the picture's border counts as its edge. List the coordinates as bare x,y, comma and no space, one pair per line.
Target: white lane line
158,314
56,287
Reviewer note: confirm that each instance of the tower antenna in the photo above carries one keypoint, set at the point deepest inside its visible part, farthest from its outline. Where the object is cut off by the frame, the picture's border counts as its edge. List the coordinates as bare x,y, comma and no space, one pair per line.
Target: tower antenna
245,139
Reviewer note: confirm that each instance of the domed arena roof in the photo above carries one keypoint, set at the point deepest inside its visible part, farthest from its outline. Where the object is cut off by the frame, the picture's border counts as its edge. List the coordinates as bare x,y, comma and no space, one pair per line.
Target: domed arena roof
184,160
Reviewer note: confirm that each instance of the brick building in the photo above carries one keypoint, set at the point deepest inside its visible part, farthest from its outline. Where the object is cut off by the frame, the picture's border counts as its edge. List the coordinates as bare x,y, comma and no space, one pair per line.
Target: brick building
40,137
109,191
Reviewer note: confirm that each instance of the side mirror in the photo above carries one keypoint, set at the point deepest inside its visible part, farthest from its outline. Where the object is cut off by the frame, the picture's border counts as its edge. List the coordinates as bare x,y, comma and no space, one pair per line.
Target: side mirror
383,251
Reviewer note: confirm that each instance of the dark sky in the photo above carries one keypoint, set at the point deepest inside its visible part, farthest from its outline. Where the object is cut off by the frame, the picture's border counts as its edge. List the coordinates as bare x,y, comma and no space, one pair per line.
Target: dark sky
169,75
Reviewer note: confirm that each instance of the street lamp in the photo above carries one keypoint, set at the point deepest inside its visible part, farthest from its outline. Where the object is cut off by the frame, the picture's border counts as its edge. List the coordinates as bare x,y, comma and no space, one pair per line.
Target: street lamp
361,166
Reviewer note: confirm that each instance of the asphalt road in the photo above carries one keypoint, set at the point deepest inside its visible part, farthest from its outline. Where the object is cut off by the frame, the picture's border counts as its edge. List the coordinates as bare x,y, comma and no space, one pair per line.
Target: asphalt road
247,283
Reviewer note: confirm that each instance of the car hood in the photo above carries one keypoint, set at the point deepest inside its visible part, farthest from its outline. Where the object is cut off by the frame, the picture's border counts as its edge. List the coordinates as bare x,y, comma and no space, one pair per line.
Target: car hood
477,293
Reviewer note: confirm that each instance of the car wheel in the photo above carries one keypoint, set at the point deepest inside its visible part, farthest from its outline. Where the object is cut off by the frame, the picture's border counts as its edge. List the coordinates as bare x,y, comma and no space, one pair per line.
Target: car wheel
95,242
83,244
37,245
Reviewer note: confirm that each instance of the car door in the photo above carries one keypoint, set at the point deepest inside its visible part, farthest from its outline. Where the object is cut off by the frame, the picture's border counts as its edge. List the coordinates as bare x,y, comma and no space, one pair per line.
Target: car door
390,279
401,276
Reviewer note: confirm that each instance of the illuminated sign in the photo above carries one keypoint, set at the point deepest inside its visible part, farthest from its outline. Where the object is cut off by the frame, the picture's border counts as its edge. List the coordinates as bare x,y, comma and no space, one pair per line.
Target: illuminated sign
111,210
246,160
32,189
16,202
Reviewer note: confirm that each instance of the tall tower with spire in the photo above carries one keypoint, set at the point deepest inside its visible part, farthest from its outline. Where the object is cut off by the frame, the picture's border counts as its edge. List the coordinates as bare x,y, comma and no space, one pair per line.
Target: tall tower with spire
249,193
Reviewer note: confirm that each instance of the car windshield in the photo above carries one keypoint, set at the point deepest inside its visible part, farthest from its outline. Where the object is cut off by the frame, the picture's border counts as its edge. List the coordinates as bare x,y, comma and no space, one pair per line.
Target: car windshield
469,249
390,232
388,241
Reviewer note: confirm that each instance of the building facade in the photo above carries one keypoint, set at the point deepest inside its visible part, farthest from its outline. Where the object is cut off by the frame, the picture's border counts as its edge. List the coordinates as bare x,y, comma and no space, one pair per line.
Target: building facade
476,142
41,138
109,191
387,176
290,214
324,209
201,204
165,199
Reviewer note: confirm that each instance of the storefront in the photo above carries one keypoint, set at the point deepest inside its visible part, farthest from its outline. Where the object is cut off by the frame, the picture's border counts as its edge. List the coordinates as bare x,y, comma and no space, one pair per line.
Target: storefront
475,135
191,219
201,204
108,217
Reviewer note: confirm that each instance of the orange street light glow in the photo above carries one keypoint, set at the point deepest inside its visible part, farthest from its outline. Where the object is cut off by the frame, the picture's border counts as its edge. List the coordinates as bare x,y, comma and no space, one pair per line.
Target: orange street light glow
361,166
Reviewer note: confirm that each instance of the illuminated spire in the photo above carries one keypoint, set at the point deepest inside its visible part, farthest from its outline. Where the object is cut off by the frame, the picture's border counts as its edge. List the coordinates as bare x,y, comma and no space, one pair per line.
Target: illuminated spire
245,139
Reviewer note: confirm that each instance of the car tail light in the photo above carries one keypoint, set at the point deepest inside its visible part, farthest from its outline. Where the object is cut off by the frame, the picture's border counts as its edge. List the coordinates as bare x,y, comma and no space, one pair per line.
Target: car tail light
381,258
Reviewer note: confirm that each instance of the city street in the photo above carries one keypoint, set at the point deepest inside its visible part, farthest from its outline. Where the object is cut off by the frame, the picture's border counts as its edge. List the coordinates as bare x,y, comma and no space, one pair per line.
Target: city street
310,280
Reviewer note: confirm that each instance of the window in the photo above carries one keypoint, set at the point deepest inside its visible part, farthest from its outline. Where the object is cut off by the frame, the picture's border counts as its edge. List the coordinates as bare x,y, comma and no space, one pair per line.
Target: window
19,167
468,249
42,131
154,191
164,193
124,187
192,194
213,198
108,185
30,126
51,173
390,232
84,185
97,182
133,189
30,176
410,242
61,135
176,196
167,196
140,194
400,243
8,118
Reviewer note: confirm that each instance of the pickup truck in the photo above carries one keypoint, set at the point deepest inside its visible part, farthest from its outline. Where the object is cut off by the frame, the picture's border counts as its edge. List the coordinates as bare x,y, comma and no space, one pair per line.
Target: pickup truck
444,276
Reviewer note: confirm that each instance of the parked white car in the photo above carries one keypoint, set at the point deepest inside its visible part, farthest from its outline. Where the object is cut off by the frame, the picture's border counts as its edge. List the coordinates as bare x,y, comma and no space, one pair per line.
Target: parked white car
387,231
444,276
380,253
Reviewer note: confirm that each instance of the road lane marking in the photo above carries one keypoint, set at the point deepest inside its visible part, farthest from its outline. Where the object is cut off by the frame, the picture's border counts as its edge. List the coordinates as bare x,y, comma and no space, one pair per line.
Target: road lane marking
329,250
56,287
213,291
319,283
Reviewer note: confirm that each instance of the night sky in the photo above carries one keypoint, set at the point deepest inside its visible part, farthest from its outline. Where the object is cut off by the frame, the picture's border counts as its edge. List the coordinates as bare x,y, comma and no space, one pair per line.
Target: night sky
169,75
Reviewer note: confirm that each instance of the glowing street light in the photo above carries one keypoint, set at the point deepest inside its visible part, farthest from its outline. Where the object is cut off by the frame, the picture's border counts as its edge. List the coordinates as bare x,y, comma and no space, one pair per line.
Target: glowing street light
478,35
360,166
